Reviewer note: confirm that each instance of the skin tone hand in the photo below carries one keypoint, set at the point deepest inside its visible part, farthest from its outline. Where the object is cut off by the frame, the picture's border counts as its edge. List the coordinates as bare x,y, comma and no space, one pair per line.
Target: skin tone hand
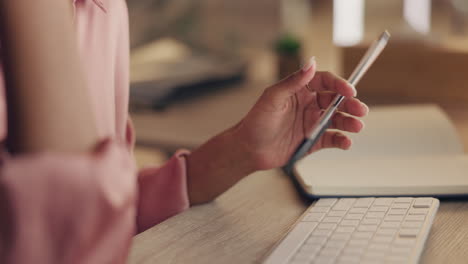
269,134
286,114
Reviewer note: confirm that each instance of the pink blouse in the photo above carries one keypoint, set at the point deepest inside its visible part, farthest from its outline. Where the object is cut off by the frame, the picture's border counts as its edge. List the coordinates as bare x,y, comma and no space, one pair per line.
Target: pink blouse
57,208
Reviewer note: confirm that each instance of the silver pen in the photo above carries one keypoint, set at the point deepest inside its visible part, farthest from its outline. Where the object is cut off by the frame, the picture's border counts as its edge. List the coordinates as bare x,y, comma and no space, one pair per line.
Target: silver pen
323,123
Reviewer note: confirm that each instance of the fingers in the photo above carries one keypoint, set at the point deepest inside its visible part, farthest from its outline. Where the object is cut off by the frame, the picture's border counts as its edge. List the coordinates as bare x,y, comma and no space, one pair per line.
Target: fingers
346,123
327,81
352,106
332,139
293,83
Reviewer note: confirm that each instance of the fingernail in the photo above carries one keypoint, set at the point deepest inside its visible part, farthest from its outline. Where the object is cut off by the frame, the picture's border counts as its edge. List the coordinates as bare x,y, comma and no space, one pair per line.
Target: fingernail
367,108
354,90
311,62
347,143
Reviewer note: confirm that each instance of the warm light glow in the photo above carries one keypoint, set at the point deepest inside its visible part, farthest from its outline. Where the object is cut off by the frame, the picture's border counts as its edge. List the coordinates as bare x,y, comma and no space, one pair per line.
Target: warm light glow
348,22
295,14
418,15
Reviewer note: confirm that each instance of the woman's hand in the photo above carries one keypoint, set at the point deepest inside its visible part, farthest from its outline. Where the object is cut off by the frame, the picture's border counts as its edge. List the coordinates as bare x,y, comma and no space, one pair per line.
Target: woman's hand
286,113
270,133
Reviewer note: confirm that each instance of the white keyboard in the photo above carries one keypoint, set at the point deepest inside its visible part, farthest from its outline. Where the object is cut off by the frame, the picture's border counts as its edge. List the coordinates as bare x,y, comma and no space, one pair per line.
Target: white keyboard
362,230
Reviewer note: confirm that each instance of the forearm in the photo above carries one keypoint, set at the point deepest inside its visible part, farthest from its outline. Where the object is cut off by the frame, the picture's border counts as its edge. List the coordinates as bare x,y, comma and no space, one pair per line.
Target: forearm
215,167
48,104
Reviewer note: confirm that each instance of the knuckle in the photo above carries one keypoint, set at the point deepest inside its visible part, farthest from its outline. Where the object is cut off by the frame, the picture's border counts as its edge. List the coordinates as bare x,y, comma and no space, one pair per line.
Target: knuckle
328,75
297,78
291,78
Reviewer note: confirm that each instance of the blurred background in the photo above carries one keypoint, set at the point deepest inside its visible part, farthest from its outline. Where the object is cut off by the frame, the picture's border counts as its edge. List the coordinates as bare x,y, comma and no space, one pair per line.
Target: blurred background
198,66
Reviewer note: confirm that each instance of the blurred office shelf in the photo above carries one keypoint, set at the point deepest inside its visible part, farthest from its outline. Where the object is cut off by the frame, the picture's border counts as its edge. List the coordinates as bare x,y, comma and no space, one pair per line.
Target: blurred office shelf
412,72
167,70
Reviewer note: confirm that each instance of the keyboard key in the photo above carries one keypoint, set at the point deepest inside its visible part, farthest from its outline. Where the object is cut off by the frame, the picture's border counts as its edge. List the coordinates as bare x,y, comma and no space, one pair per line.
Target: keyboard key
412,224
404,242
354,216
406,232
369,228
415,217
303,257
310,248
337,213
299,262
331,219
326,202
309,252
329,252
403,200
316,240
367,261
382,239
374,255
357,242
349,259
371,221
383,201
340,237
319,209
363,235
313,217
344,204
394,218
324,260
378,209
345,229
336,244
294,239
364,202
306,256
379,247
322,232
387,224
401,206
419,211
396,259
354,251
326,226
354,223
386,232
422,203
397,212
357,211
375,215
400,250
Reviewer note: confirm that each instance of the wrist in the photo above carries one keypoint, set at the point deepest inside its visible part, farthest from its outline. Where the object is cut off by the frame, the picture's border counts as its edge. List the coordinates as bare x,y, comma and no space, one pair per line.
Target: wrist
215,166
243,159
255,158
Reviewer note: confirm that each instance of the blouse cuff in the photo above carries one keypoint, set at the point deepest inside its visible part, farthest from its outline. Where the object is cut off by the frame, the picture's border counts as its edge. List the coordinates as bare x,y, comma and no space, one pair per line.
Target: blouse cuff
163,191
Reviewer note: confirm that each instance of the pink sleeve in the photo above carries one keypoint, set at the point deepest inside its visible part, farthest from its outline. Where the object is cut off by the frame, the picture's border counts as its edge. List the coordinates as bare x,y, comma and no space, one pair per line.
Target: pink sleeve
59,208
67,208
162,192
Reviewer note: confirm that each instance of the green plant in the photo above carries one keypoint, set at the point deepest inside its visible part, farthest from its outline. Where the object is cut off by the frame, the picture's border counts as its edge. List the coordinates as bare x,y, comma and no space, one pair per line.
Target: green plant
288,45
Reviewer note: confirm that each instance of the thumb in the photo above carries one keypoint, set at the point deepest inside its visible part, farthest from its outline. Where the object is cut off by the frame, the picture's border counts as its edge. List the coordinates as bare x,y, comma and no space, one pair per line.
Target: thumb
294,82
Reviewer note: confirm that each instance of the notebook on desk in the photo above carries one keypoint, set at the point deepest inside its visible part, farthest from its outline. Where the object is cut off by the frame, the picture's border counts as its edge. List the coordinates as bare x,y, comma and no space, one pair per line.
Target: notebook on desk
403,151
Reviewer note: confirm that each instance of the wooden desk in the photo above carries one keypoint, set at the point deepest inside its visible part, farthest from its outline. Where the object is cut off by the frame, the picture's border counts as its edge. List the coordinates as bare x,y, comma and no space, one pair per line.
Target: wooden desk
244,224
